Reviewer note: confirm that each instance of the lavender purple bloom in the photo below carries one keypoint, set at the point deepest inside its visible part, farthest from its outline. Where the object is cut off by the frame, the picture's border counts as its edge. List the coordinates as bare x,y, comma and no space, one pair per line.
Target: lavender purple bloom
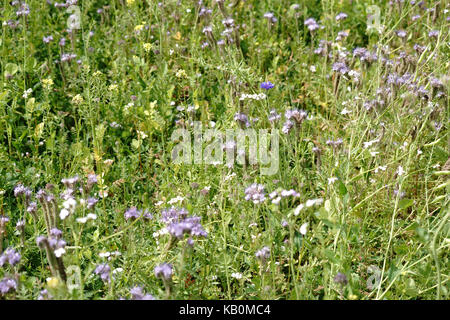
267,85
164,271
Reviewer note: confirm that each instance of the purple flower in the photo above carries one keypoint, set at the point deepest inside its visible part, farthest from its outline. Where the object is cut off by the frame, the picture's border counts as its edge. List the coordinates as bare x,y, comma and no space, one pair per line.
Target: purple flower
92,179
91,202
67,57
296,114
173,214
274,116
190,226
24,10
267,85
341,16
3,220
164,271
242,119
45,295
147,215
132,213
401,33
137,293
340,67
103,270
56,233
62,42
433,33
341,279
70,182
263,254
41,241
335,143
32,208
7,285
255,193
311,23
287,126
179,223
48,39
341,35
19,190
20,225
10,256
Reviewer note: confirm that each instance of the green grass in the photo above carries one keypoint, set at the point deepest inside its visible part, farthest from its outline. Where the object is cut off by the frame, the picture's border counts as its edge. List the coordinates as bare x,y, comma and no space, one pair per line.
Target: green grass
375,221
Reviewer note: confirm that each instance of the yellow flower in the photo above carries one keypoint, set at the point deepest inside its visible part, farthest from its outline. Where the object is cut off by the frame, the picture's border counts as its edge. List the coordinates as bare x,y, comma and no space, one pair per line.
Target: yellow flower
77,99
113,87
52,282
139,28
47,83
147,47
181,74
130,2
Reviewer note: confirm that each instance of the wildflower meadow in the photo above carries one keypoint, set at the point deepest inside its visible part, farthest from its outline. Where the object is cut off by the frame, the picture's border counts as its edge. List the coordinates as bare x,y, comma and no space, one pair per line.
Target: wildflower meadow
224,150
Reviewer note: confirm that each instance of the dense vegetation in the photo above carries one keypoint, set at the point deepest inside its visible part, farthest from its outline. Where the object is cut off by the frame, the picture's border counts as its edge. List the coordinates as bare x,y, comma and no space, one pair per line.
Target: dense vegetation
92,205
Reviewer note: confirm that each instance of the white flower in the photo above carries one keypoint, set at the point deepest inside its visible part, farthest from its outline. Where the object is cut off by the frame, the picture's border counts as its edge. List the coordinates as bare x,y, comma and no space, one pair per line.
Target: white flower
92,216
70,204
383,168
236,275
59,252
332,180
117,270
312,202
298,209
273,194
175,200
104,254
345,111
369,143
276,200
400,171
303,228
64,213
82,220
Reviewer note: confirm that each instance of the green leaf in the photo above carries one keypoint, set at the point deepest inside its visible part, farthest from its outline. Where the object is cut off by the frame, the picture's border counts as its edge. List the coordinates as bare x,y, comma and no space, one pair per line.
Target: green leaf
11,69
405,203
